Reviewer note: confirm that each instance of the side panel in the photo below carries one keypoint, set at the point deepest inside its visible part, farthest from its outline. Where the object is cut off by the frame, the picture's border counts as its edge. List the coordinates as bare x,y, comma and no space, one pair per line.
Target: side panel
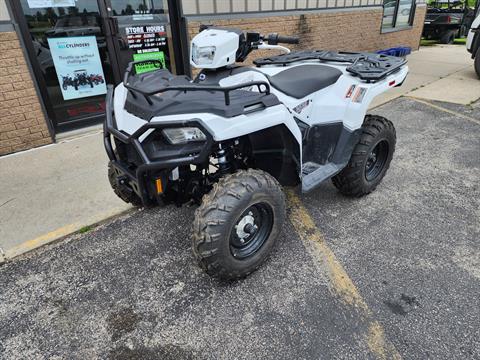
276,151
320,142
223,128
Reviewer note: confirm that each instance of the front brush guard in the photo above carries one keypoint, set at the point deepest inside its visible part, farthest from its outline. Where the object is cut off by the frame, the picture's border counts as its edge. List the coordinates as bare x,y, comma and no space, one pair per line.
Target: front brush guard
137,178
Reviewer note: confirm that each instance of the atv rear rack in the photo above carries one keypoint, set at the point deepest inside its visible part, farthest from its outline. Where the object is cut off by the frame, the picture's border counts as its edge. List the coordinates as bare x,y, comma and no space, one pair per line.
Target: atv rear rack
149,84
369,67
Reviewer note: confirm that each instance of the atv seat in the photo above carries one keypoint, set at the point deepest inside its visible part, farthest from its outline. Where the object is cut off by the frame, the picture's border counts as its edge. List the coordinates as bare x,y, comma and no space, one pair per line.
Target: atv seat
299,81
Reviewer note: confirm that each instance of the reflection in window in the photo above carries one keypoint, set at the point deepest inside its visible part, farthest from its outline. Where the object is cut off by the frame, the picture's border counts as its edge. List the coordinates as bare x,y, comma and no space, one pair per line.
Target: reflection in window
397,13
388,13
132,7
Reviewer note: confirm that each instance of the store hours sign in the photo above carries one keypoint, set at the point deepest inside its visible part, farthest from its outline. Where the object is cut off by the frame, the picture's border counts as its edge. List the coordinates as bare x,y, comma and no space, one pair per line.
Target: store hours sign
148,42
78,66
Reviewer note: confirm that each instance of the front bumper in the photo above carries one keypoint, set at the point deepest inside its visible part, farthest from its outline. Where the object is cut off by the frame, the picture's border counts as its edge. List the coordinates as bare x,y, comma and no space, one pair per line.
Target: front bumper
138,178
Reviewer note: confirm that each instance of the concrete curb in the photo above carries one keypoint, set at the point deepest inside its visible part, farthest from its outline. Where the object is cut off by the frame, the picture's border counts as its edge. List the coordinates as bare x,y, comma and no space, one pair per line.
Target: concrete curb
58,235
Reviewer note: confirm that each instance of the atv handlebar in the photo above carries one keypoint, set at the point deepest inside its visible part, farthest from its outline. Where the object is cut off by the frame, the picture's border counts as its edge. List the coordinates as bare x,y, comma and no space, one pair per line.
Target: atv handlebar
275,39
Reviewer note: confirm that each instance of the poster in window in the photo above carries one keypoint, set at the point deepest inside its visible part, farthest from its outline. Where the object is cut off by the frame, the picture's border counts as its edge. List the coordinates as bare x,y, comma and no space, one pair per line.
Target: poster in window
36,4
78,66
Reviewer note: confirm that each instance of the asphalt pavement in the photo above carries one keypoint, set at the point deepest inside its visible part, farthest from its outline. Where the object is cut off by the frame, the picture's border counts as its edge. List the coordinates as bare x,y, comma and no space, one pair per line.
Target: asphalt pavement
129,289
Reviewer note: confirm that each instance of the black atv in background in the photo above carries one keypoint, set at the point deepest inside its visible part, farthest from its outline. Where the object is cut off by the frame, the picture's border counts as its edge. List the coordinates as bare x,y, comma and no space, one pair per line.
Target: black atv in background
447,20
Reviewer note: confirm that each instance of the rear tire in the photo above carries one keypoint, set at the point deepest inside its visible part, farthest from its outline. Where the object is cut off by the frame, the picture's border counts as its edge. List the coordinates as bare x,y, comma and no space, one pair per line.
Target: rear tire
447,37
370,159
477,62
128,197
238,223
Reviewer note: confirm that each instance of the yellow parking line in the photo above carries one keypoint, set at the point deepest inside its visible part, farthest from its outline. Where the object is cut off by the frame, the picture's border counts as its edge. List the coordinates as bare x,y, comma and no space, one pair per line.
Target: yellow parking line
41,240
457,114
62,232
340,282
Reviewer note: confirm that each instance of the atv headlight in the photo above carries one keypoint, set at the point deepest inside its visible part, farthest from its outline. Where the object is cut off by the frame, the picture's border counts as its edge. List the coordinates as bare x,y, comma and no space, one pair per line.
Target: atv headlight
183,135
203,55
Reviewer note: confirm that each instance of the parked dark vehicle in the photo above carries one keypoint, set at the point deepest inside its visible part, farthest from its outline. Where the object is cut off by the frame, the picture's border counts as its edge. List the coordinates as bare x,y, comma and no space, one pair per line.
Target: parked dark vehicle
446,20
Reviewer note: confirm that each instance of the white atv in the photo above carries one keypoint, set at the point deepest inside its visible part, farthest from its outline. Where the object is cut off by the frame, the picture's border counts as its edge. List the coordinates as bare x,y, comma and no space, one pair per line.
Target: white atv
233,136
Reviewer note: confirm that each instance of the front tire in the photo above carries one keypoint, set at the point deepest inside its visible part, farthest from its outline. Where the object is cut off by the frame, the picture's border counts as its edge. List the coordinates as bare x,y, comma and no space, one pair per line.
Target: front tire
370,159
238,223
477,62
128,197
448,37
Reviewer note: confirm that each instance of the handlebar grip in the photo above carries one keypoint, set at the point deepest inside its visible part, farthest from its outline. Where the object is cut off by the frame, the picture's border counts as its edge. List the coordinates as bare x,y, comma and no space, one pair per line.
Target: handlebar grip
275,39
288,39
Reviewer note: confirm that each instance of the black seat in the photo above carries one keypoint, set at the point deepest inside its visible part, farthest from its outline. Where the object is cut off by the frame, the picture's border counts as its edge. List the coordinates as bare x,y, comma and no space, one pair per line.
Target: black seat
299,81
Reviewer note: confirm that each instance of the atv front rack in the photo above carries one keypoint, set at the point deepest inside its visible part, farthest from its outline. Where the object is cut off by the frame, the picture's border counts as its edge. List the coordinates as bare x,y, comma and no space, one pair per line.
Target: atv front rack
369,67
161,80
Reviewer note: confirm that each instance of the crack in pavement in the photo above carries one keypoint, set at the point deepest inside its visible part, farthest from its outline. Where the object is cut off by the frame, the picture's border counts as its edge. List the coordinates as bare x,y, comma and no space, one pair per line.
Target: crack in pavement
6,202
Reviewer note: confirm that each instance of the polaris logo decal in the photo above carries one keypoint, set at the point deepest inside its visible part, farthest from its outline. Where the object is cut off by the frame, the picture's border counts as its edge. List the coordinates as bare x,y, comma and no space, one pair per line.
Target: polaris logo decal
299,108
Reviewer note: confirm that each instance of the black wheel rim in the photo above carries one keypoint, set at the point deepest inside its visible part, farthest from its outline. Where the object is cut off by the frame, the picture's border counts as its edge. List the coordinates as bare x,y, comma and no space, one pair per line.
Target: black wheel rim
251,230
376,160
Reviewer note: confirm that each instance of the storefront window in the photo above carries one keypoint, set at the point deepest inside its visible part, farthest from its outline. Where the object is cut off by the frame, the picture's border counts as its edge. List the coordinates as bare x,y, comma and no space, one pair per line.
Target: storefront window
72,56
143,32
397,13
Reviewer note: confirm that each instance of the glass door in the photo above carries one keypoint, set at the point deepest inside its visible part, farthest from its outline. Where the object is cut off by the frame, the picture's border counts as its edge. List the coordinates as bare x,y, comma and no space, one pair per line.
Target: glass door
140,30
68,51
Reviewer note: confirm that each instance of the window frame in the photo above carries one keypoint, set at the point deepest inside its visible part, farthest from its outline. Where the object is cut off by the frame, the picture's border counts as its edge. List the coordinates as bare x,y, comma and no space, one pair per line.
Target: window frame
394,26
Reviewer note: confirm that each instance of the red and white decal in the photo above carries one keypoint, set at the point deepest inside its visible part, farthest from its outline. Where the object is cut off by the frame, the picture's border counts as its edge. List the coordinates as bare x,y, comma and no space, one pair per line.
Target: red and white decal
299,108
350,91
359,95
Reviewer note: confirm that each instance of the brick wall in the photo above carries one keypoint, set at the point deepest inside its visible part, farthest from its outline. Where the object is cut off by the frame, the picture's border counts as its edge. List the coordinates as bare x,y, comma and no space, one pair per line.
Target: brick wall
22,123
353,30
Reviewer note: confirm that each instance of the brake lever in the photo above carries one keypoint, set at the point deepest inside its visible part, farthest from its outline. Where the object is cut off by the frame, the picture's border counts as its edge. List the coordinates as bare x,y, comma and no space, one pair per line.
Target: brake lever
264,46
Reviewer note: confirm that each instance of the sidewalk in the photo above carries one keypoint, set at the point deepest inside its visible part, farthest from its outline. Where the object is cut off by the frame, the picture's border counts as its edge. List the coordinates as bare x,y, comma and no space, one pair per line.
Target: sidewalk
442,73
50,192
